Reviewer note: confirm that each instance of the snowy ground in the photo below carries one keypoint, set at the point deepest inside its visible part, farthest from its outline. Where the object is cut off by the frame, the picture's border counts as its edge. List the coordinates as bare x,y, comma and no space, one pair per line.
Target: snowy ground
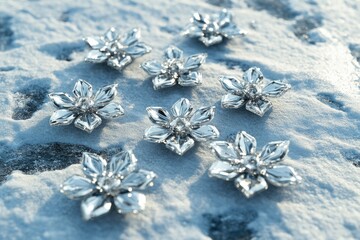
312,44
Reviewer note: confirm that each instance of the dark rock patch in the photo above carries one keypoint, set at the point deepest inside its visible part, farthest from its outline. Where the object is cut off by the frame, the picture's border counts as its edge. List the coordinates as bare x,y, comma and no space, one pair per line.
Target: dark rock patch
230,227
221,3
32,159
304,25
352,156
234,64
355,51
28,100
7,69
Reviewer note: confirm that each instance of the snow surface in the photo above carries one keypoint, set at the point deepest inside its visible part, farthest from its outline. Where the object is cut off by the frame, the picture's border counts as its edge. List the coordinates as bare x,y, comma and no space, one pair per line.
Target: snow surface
312,44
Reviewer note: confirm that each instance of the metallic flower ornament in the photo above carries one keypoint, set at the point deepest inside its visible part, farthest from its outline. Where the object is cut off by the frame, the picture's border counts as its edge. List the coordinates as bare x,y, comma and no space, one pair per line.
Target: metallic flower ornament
109,183
252,91
175,69
252,171
180,128
85,109
116,50
212,29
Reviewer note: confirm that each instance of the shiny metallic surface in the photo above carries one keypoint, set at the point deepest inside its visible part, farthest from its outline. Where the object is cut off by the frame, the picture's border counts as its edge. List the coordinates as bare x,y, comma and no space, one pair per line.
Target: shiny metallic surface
252,91
175,69
116,50
212,29
85,108
109,183
181,127
252,171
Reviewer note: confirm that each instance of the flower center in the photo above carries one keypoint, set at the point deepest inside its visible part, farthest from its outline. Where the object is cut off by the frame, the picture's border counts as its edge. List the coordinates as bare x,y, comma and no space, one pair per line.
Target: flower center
109,185
253,91
180,126
84,104
172,68
114,48
251,164
210,29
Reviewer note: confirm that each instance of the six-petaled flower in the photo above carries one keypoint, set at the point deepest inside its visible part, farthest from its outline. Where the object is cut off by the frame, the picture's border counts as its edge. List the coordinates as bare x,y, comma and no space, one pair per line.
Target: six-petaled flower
85,109
116,50
180,129
252,91
252,171
175,69
212,29
109,183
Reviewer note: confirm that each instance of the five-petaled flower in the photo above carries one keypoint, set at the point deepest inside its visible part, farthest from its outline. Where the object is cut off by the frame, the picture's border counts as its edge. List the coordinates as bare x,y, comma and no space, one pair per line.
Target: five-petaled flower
252,91
175,69
252,171
212,29
109,183
118,51
180,129
85,109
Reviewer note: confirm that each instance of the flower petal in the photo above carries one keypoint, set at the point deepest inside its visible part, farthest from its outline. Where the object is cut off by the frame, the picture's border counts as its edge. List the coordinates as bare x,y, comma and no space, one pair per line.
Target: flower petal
111,34
250,185
224,17
88,122
259,107
179,146
192,30
231,30
94,42
253,75
119,64
190,79
202,115
231,84
182,108
62,117
194,61
95,56
163,81
105,95
223,170
62,100
95,206
130,202
152,67
123,163
82,89
156,134
139,180
245,143
93,165
159,116
275,89
281,176
205,133
232,101
138,49
112,110
274,152
77,187
173,52
225,151
211,40
131,37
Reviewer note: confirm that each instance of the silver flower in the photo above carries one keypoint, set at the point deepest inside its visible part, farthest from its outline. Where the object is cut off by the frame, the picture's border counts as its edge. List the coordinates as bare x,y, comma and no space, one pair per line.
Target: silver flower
180,129
109,183
212,29
252,171
118,51
252,91
175,69
85,109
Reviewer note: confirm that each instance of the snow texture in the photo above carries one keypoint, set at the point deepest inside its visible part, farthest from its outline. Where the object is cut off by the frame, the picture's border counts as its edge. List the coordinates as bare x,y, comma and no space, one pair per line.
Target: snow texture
313,44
